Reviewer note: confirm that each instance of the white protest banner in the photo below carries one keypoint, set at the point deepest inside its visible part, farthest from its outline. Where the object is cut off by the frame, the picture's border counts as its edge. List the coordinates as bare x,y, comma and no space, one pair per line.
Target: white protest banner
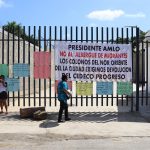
82,61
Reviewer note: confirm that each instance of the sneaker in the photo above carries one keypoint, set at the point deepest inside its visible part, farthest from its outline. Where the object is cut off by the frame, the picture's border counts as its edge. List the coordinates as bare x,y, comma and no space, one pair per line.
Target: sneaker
67,119
60,121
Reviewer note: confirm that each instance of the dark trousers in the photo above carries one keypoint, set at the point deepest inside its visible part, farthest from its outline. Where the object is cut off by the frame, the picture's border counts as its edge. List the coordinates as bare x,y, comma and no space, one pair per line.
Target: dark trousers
3,95
63,106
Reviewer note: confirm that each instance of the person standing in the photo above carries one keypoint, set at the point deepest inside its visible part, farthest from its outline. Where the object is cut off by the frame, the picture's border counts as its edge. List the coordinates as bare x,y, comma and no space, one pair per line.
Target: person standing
3,94
63,95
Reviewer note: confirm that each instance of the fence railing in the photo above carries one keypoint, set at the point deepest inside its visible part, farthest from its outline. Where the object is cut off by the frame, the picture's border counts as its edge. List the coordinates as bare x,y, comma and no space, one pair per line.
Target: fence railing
20,48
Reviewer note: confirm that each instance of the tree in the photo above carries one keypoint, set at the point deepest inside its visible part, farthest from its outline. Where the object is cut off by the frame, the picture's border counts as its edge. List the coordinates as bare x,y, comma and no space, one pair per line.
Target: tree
18,30
134,39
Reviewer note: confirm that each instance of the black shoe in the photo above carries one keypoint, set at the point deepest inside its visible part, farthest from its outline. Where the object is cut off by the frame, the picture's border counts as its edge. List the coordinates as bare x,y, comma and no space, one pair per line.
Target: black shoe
60,121
67,119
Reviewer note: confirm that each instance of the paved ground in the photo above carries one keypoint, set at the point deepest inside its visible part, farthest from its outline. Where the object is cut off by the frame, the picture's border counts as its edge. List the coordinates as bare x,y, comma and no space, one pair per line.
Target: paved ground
87,130
33,142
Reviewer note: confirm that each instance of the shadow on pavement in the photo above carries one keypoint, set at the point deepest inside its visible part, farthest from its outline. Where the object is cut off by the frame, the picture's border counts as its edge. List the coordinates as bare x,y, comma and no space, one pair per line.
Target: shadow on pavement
48,124
104,117
10,117
93,117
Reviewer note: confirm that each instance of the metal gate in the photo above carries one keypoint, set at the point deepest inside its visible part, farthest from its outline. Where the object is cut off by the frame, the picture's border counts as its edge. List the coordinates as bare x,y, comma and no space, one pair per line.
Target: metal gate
18,46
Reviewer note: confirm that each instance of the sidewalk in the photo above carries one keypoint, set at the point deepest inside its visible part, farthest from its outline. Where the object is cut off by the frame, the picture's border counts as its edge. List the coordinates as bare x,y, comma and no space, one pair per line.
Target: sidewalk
84,125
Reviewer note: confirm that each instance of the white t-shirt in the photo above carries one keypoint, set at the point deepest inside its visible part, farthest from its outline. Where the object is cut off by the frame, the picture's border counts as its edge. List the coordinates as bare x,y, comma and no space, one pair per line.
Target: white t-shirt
2,87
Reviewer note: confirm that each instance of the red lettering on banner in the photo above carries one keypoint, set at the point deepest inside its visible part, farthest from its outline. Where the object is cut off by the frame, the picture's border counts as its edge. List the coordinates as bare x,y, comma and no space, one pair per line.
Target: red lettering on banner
63,53
70,54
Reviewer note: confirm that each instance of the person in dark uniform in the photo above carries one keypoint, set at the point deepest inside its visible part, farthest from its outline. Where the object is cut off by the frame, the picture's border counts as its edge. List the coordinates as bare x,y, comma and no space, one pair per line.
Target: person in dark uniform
63,95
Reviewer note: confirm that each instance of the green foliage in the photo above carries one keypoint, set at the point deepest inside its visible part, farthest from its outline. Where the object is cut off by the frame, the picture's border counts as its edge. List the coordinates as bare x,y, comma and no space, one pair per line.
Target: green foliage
133,40
18,30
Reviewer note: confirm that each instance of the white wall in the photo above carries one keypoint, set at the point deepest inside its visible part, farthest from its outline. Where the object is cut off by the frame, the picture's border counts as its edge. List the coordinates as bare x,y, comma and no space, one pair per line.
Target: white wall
27,49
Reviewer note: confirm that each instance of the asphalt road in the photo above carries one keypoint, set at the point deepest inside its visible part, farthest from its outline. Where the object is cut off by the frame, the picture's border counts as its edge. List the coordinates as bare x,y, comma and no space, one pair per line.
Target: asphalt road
53,142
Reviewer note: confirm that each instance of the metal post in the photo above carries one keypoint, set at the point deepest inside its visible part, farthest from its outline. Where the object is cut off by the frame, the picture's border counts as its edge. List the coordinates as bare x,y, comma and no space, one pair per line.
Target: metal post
137,69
